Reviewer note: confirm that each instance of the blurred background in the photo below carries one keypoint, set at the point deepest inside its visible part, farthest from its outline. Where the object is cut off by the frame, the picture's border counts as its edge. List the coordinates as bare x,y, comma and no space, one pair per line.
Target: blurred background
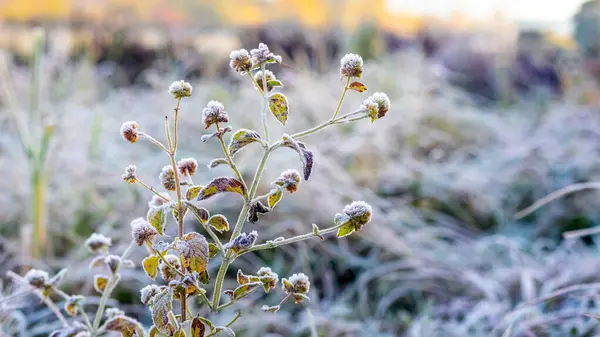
495,104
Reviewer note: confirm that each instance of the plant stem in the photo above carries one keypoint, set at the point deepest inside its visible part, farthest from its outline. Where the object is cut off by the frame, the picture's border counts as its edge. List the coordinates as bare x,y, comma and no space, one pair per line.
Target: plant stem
15,295
151,189
273,244
238,315
176,122
230,160
162,257
154,141
108,290
52,306
86,319
219,282
40,231
266,103
255,183
271,192
337,110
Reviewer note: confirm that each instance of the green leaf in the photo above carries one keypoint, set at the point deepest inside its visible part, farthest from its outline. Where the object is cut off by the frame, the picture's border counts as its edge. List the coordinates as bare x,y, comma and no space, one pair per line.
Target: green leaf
274,83
357,86
198,328
218,161
278,104
162,311
226,330
345,230
219,222
150,265
306,156
241,138
180,333
157,217
213,250
275,198
199,212
192,192
221,185
242,291
208,323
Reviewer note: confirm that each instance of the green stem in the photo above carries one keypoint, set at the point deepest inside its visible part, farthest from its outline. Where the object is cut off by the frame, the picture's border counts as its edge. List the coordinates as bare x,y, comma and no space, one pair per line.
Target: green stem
273,244
40,230
255,183
108,290
86,319
219,282
164,260
271,192
265,103
151,189
238,315
337,110
230,160
154,141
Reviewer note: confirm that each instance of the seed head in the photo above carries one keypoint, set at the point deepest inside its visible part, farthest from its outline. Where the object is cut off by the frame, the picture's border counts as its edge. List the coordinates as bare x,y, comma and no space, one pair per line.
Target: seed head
263,55
269,76
240,61
37,278
129,131
157,201
351,65
129,175
180,89
242,242
383,101
370,108
359,213
167,178
142,231
187,166
98,243
290,179
166,272
148,292
214,113
298,286
268,277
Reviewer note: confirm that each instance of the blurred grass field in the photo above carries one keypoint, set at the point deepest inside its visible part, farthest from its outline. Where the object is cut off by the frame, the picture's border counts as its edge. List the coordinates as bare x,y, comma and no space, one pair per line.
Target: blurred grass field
445,255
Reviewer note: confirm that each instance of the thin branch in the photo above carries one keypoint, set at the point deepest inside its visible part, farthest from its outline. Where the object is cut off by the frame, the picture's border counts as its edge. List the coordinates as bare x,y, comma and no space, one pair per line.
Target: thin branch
154,141
271,192
230,160
162,257
272,244
556,195
151,189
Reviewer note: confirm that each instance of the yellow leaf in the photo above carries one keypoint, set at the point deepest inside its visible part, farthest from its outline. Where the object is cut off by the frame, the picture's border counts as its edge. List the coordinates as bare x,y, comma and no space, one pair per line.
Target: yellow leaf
150,265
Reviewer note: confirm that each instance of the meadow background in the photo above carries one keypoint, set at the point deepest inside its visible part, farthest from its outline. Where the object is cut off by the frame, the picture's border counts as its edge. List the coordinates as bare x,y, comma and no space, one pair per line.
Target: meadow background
491,111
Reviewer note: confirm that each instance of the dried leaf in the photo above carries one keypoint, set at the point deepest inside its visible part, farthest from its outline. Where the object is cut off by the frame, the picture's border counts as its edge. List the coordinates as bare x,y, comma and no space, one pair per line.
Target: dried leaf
199,212
219,222
126,325
306,156
272,309
357,86
221,185
208,323
161,310
198,328
216,162
150,265
180,333
100,282
275,198
192,192
278,104
241,138
194,251
242,291
97,261
157,217
203,277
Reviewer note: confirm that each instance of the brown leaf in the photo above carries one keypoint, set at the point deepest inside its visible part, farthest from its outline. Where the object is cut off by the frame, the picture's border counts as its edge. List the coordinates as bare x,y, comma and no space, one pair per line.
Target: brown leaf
221,185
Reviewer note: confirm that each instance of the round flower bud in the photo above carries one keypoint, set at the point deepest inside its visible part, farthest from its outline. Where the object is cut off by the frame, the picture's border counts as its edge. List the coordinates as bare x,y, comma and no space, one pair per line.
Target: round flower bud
187,166
351,65
240,61
263,55
129,131
98,243
359,213
167,178
36,278
298,286
166,272
290,179
142,231
242,242
269,76
148,292
129,175
267,277
180,89
214,113
370,108
157,201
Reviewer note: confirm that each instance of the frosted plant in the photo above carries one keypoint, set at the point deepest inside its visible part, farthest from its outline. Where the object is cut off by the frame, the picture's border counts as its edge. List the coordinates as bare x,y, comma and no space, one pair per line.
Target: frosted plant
182,262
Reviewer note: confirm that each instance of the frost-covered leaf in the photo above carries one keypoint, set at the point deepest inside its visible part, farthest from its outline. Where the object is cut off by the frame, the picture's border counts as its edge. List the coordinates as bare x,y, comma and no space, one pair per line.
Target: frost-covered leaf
242,291
194,251
278,104
126,325
213,250
100,282
198,328
272,309
219,222
199,212
345,230
192,192
180,333
221,185
157,217
218,161
150,265
162,310
306,156
97,261
228,331
207,322
241,138
204,277
275,198
357,86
